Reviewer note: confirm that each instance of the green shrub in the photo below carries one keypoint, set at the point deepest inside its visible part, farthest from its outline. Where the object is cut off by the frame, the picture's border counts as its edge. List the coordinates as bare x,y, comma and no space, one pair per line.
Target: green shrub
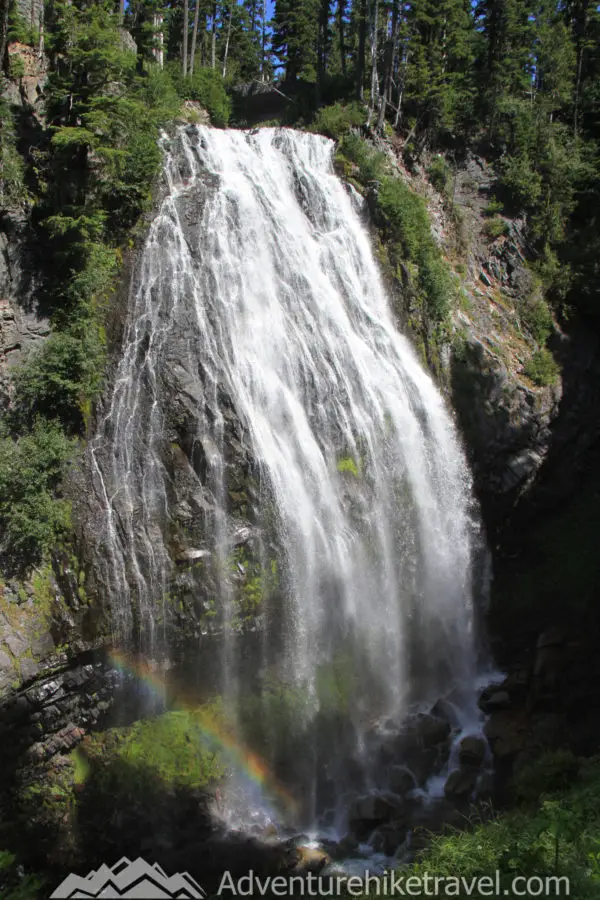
494,228
553,771
406,217
371,163
32,517
206,87
336,121
520,180
13,884
16,67
12,168
20,30
561,837
348,464
542,368
57,379
493,208
407,222
537,318
436,282
439,174
176,747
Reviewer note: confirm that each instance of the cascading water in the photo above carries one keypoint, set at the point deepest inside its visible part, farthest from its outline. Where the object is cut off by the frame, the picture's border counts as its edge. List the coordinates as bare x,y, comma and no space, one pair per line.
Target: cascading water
258,299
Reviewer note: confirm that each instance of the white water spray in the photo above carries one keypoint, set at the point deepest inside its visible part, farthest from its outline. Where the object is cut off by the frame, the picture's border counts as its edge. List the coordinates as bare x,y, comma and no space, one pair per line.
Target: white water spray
267,293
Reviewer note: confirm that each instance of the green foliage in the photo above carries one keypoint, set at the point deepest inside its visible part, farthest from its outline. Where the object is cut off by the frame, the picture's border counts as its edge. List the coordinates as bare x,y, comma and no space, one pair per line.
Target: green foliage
348,464
439,174
206,87
537,318
254,582
13,191
174,748
20,30
561,838
493,208
551,772
371,163
56,379
13,884
32,517
295,28
407,222
337,120
542,368
521,182
16,67
494,228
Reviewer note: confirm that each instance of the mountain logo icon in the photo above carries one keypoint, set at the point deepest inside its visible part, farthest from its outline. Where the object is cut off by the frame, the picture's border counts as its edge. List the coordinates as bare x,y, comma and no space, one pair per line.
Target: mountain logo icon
130,879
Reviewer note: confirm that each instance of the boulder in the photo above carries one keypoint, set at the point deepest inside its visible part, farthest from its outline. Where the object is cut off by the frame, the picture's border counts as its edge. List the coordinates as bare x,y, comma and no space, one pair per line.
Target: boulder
372,808
461,784
388,838
472,751
401,780
445,710
311,859
495,696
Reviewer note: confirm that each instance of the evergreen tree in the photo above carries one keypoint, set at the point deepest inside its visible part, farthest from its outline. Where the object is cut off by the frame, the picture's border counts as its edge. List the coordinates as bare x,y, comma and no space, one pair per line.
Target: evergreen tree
295,37
439,74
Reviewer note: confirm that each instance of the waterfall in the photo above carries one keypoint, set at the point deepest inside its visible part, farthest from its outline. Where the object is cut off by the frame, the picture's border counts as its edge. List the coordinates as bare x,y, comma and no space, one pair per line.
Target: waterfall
259,334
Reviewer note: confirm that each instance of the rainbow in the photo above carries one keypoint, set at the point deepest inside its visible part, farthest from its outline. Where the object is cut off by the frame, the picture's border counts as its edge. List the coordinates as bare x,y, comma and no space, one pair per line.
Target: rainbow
238,755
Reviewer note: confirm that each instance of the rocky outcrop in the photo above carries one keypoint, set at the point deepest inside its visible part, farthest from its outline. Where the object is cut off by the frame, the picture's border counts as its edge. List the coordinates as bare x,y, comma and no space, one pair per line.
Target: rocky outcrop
22,323
21,326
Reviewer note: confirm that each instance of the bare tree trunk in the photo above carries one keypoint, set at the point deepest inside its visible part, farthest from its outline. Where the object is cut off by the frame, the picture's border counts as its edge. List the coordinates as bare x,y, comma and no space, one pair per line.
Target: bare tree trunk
159,50
341,10
226,54
263,41
362,42
581,28
323,29
194,37
121,11
401,82
184,55
3,30
391,53
213,48
374,95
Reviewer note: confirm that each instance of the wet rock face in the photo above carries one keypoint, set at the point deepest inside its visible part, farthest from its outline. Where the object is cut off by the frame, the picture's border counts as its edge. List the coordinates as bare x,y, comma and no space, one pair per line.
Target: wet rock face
20,325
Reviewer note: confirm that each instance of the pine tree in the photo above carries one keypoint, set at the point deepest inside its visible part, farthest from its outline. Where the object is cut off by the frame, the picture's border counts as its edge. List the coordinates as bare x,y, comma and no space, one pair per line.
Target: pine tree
439,85
295,37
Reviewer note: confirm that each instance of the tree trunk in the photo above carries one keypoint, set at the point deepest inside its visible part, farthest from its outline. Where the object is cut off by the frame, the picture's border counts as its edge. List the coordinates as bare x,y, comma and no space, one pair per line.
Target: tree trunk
362,42
374,93
226,53
341,10
263,53
580,29
121,11
194,36
184,55
213,46
390,56
323,27
3,30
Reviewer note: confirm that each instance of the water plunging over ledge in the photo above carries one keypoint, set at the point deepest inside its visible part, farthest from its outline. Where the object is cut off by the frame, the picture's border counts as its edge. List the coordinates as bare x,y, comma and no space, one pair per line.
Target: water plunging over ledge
260,341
